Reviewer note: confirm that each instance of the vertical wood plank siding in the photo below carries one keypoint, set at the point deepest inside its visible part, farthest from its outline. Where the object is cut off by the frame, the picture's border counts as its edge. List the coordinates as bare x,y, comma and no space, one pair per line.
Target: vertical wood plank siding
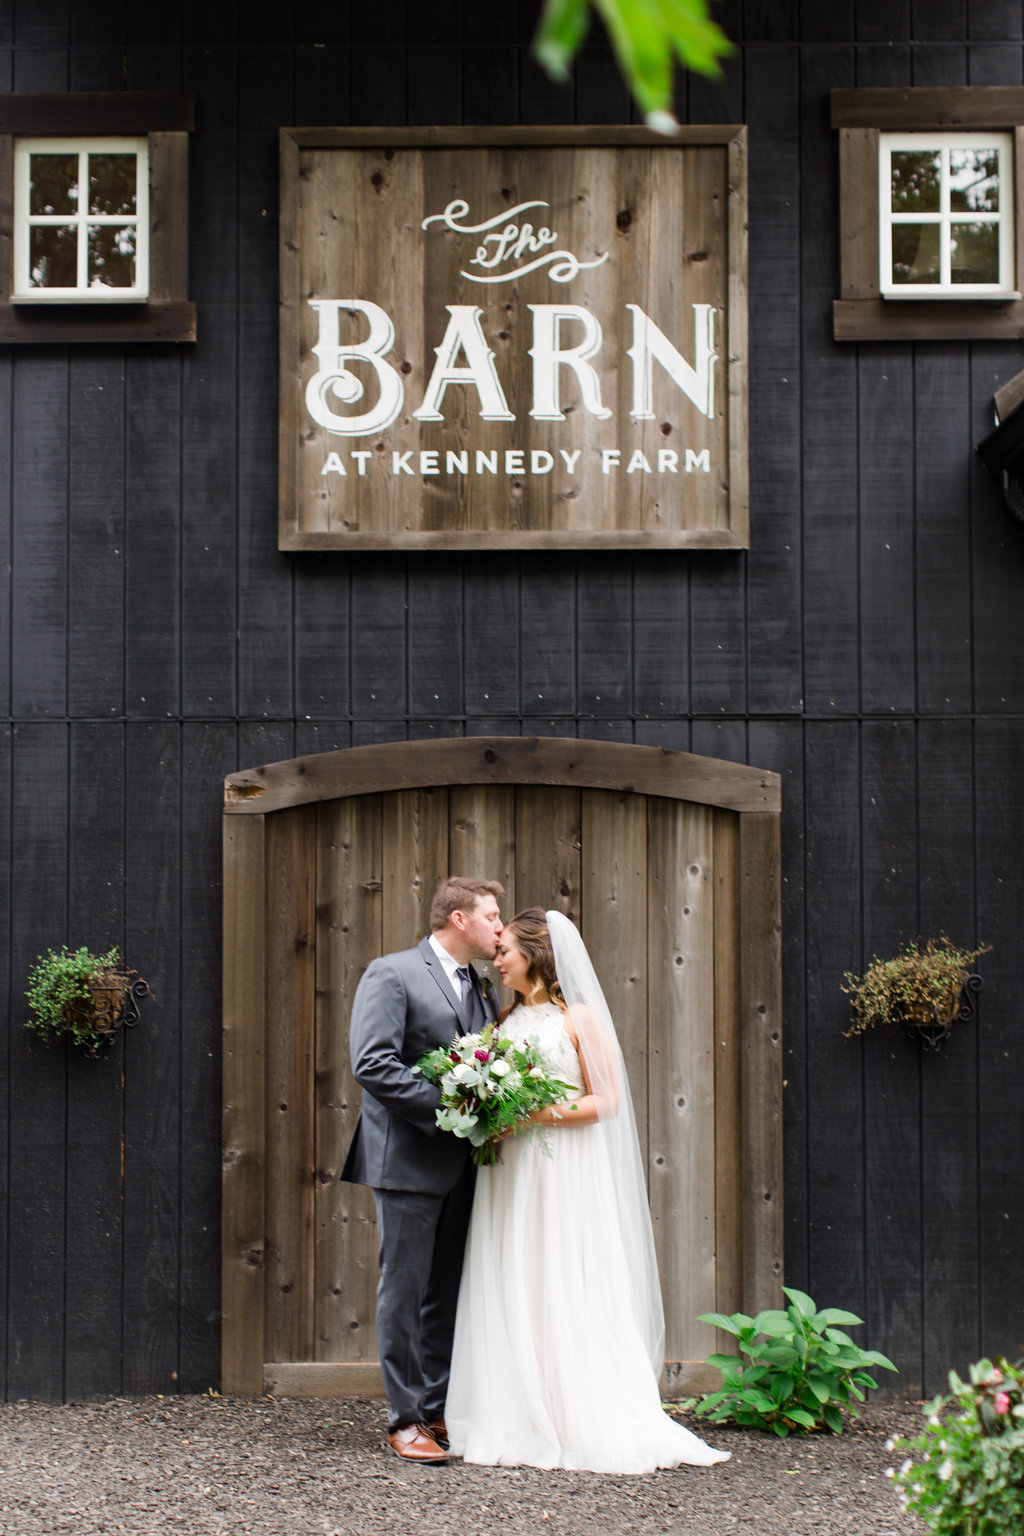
868,648
613,903
349,847
291,1045
682,1119
244,1153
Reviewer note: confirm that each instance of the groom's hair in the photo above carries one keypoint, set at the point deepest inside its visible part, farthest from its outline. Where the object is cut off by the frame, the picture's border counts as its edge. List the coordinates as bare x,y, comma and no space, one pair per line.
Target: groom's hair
458,894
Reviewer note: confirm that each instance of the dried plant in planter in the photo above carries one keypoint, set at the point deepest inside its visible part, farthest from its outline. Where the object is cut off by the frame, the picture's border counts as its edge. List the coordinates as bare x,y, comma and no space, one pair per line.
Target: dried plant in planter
86,996
921,989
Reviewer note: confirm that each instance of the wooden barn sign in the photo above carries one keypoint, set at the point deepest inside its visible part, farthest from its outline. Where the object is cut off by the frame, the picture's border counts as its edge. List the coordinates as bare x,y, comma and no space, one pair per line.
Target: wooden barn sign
513,339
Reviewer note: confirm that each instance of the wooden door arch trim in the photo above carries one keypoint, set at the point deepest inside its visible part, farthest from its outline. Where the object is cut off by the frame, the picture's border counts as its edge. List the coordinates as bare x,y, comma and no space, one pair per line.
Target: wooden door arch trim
752,1144
550,760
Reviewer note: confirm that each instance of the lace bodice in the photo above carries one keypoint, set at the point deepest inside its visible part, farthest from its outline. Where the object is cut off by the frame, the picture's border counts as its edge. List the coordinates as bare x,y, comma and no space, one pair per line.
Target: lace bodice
544,1022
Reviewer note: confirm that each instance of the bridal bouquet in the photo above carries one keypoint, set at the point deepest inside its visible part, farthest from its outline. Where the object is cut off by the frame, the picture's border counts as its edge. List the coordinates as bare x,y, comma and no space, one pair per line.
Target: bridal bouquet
490,1084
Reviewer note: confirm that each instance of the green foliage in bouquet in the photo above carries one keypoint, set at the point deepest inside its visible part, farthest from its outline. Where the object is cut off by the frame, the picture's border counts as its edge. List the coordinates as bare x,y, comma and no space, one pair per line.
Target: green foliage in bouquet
964,1474
490,1086
801,1369
77,993
921,985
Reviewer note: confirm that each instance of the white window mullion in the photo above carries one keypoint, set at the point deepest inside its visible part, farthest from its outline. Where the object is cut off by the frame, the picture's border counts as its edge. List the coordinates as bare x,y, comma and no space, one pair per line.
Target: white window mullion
22,238
83,225
945,227
1009,214
885,220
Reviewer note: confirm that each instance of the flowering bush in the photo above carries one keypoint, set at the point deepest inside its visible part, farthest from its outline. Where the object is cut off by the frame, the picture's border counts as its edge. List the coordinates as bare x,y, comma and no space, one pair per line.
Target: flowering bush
490,1085
964,1474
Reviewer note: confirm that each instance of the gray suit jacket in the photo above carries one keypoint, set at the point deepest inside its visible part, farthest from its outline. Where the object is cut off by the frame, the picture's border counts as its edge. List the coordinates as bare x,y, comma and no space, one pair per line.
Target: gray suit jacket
403,1008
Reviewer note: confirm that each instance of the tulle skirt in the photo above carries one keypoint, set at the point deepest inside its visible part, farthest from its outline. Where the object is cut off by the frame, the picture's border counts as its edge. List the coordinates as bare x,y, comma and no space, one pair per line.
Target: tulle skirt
548,1370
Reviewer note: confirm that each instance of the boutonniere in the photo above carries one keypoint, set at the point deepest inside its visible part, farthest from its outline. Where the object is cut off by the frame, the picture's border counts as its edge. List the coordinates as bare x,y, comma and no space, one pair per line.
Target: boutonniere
488,989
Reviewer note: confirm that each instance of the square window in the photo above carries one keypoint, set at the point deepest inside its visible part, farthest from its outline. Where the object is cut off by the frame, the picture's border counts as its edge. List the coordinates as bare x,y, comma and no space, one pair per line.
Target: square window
81,221
95,248
945,215
931,213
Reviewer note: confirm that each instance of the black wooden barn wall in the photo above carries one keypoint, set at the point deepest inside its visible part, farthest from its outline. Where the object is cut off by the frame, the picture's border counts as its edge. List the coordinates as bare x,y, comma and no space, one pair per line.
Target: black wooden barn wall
869,648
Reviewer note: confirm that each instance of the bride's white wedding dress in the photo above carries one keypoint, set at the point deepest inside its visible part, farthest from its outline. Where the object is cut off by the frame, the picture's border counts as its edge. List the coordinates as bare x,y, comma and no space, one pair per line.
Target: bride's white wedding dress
548,1369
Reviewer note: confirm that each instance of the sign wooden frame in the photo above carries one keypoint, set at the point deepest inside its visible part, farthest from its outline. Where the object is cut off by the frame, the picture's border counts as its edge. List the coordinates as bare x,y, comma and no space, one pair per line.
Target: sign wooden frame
517,338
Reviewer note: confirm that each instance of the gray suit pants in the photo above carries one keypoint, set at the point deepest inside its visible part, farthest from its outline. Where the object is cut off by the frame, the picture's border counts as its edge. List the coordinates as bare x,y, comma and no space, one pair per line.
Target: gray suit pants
422,1238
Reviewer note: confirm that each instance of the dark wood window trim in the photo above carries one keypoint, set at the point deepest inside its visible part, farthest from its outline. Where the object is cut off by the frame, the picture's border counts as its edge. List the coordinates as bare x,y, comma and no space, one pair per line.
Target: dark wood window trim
167,120
860,313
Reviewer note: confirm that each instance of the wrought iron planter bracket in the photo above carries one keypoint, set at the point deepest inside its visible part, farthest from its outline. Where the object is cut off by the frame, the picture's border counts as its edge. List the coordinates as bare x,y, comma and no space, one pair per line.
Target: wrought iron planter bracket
115,1008
933,1034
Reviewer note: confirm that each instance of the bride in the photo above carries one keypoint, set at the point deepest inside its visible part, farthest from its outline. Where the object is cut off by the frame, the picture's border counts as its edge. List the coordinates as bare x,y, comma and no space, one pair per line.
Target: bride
558,1341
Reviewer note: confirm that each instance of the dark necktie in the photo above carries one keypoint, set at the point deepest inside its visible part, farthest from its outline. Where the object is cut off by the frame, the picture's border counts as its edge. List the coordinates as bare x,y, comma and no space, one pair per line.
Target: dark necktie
471,1002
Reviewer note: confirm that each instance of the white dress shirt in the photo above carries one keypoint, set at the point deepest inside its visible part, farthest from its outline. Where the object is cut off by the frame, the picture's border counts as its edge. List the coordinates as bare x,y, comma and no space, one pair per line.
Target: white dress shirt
450,965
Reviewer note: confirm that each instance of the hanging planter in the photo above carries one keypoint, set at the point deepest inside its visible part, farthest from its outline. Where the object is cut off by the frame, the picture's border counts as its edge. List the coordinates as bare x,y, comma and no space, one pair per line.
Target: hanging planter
933,1031
89,997
925,989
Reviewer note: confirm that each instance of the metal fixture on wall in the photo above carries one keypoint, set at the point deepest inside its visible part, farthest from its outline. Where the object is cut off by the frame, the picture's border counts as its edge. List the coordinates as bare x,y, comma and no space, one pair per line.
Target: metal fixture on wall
932,1035
1002,452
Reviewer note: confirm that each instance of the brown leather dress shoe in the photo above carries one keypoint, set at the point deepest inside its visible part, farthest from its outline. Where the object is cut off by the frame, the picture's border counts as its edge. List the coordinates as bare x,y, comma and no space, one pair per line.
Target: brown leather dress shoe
414,1442
439,1429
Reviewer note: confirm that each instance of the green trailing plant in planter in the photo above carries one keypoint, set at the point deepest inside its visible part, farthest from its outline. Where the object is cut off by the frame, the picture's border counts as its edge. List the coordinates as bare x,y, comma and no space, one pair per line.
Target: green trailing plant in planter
922,989
801,1368
964,1474
86,996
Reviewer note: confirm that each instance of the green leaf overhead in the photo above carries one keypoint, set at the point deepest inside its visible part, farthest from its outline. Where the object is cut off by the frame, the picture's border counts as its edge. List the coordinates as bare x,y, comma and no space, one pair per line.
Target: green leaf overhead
647,36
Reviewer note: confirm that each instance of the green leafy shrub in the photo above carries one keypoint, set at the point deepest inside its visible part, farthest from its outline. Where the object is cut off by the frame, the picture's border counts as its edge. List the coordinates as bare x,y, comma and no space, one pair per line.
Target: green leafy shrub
921,985
74,992
964,1474
801,1369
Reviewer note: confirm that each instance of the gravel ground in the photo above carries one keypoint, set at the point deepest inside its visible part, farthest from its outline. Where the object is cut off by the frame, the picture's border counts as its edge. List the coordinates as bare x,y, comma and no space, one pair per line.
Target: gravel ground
206,1465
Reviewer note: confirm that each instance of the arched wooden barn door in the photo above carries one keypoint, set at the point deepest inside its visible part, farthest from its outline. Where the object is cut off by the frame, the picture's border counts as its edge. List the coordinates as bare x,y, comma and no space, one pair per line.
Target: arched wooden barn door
669,863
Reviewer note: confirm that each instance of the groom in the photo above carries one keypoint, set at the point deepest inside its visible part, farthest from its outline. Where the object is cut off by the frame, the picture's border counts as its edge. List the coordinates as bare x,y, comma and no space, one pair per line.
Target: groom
422,1179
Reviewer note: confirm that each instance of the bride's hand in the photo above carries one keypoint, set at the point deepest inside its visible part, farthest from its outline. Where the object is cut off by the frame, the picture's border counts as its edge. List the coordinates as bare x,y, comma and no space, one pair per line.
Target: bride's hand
535,1118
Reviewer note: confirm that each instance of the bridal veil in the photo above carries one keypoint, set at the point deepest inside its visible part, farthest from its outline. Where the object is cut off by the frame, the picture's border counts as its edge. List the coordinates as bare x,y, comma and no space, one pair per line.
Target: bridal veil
605,1071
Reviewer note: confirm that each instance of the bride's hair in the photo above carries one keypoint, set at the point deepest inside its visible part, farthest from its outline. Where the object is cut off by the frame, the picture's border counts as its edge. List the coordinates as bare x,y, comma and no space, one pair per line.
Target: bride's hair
530,931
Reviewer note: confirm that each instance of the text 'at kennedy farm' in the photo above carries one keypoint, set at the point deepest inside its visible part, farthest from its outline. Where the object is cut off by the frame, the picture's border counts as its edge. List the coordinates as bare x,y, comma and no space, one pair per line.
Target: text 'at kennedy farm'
464,358
515,462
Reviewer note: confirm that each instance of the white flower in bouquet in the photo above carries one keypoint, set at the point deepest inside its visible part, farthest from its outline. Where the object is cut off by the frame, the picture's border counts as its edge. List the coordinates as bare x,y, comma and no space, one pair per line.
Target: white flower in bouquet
491,1086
